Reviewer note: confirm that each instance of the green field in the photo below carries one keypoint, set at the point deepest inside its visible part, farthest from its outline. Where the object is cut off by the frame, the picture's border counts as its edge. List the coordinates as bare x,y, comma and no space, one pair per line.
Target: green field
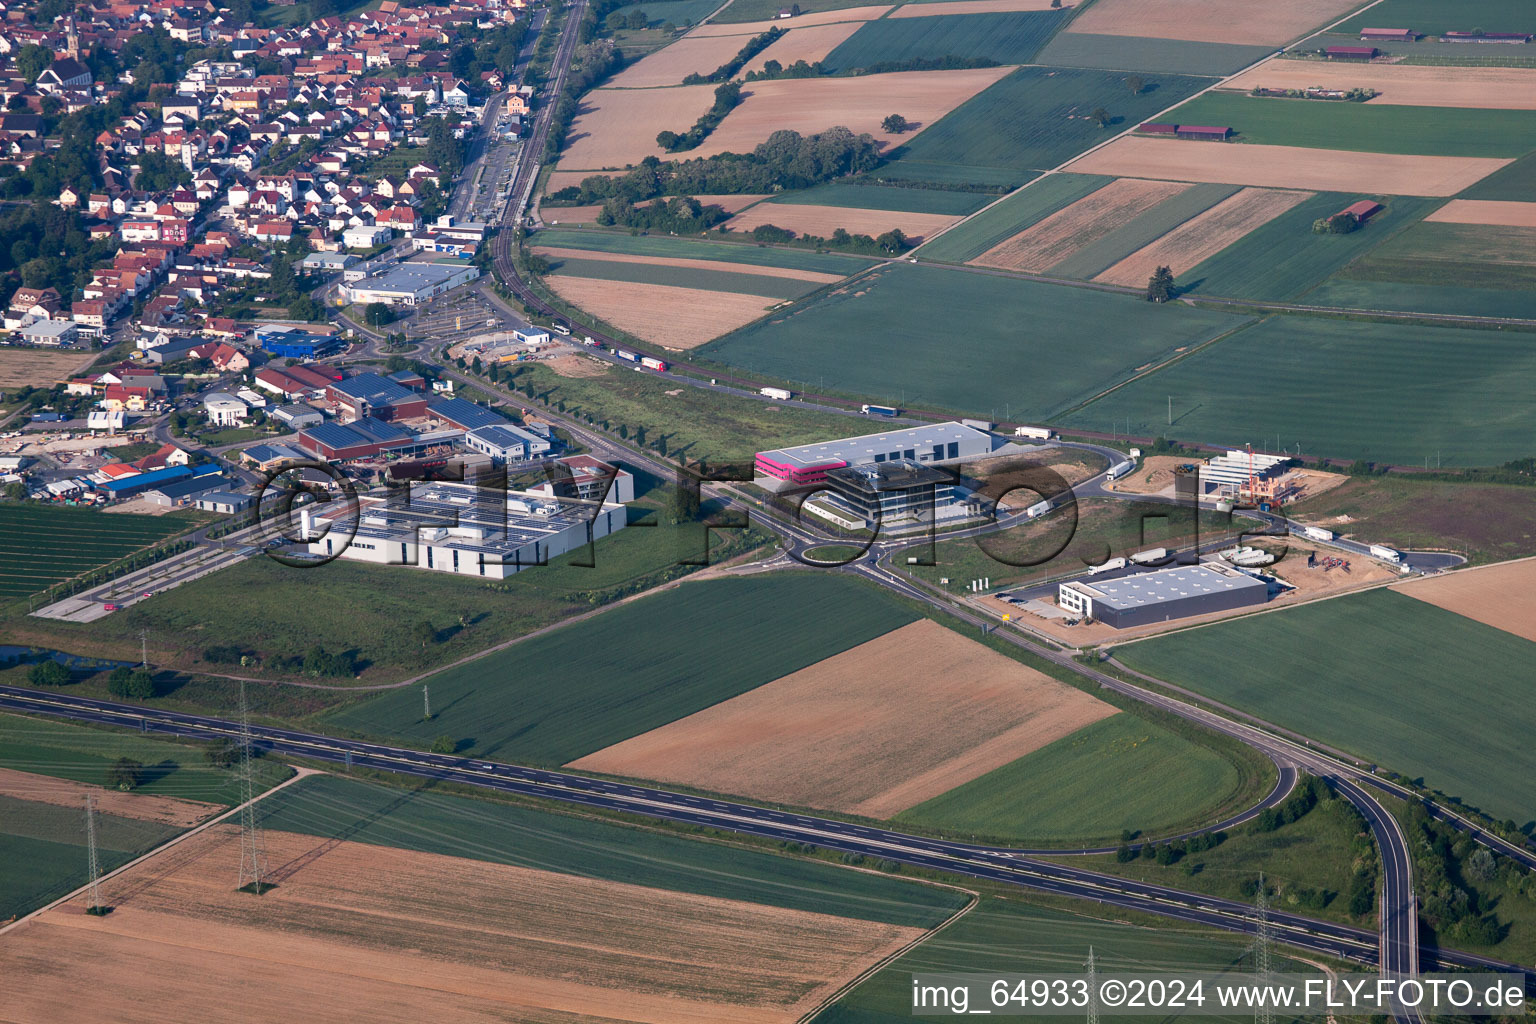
41,545
271,610
1010,936
1382,392
1121,772
1281,259
44,852
1041,198
80,753
864,194
1365,127
1036,117
681,13
1382,675
1140,231
1471,256
1008,38
962,340
1513,183
761,10
698,249
1424,298
634,668
1434,17
1135,53
684,277
457,826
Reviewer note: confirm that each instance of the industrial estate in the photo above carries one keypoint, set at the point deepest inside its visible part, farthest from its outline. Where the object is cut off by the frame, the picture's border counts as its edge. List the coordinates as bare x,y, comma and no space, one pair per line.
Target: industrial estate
709,511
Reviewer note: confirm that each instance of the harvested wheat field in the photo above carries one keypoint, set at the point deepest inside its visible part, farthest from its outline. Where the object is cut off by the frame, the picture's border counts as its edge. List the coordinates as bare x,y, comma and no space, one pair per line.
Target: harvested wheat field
1205,235
1502,596
167,810
1489,212
677,318
576,366
1322,170
807,44
871,731
972,7
676,61
752,28
569,214
618,127
374,933
1211,21
556,252
823,220
809,105
40,367
1402,84
1096,215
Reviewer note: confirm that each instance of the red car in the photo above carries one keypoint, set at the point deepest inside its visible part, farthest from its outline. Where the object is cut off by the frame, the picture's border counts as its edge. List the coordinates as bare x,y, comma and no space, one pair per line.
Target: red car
109,607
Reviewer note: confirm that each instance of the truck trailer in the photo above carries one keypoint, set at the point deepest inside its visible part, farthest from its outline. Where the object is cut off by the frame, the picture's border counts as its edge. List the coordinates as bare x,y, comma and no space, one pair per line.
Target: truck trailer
626,355
1149,556
1119,469
652,363
1038,433
1386,554
880,410
979,424
778,393
1317,533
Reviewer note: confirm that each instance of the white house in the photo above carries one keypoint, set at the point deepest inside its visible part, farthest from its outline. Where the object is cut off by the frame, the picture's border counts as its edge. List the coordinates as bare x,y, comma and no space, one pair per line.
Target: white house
224,409
365,236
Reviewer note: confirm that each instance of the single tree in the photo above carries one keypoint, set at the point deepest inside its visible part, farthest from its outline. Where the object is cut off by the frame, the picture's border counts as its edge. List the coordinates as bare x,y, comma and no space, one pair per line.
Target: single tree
1100,115
424,633
895,124
16,490
1136,84
117,682
48,673
377,314
1160,287
893,242
125,773
637,20
444,745
141,684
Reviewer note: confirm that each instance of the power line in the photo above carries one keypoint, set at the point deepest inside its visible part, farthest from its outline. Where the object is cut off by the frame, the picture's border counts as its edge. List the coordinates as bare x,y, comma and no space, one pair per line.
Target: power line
253,861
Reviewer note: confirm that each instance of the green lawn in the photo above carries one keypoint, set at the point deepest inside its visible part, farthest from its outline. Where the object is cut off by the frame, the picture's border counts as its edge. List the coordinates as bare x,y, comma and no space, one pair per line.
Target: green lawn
1382,392
1281,259
1419,690
80,753
865,194
1141,230
1137,53
43,544
1006,935
1008,38
1365,127
1119,773
272,610
457,826
1433,17
1039,199
43,849
684,277
634,668
1037,118
698,249
968,341
1514,183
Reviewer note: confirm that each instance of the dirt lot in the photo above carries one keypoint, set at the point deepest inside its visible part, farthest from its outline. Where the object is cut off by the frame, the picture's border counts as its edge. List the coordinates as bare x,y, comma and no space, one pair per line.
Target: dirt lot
972,7
568,214
571,365
1322,170
676,61
1048,242
871,731
1072,465
1154,477
373,933
1309,483
678,318
555,252
1502,595
823,220
808,105
617,127
1403,84
807,44
1211,21
1205,235
40,367
1491,212
752,28
167,810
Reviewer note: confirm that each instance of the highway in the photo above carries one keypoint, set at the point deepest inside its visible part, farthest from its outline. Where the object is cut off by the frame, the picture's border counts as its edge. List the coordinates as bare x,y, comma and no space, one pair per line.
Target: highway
918,851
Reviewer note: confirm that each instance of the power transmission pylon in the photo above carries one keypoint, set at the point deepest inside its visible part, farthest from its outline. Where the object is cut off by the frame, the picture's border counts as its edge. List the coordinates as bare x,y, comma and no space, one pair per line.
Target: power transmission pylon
1093,989
253,861
1263,936
95,905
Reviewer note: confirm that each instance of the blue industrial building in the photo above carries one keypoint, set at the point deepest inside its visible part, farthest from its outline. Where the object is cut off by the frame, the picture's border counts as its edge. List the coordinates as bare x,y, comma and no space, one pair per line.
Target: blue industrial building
296,343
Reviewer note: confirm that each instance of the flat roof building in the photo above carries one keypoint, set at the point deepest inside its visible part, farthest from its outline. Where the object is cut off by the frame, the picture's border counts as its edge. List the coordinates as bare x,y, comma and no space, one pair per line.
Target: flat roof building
356,440
50,332
1163,595
369,394
892,491
409,284
297,343
505,442
807,465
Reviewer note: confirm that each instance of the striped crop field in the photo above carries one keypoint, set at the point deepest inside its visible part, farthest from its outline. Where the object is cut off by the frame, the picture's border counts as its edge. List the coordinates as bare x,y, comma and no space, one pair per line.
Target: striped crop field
1011,37
40,545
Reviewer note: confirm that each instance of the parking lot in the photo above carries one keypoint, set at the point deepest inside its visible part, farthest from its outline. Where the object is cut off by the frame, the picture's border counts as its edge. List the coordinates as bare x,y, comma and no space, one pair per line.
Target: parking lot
460,315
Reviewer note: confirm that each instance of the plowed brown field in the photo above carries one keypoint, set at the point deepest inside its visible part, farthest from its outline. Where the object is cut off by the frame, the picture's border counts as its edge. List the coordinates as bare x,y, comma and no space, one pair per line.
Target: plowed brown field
1502,596
1211,21
872,731
167,810
676,61
556,252
1489,212
679,318
1048,242
805,219
1321,170
359,932
1204,235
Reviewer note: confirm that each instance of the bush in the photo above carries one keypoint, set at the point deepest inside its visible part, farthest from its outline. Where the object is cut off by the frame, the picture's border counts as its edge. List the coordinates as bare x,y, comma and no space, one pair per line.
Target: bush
445,745
125,773
1124,854
49,673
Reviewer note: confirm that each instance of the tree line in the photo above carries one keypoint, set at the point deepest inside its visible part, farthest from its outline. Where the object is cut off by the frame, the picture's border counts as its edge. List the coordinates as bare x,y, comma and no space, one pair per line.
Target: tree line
756,45
727,96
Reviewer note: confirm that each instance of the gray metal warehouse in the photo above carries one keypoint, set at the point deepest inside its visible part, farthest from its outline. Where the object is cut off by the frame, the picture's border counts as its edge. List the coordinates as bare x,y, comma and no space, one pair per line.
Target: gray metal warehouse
1163,595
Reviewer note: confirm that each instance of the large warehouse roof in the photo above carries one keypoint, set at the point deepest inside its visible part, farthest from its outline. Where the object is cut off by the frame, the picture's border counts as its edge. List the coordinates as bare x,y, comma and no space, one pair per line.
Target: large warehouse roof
858,450
1172,584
